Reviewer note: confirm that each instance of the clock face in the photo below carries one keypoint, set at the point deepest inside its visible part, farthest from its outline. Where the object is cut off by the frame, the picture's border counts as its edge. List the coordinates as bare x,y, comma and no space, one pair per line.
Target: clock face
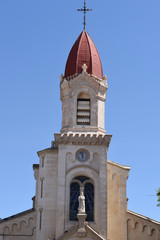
82,156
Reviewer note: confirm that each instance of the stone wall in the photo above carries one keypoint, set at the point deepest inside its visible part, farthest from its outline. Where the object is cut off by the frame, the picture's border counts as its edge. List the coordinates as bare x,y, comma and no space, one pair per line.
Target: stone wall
19,227
117,201
46,194
140,227
122,223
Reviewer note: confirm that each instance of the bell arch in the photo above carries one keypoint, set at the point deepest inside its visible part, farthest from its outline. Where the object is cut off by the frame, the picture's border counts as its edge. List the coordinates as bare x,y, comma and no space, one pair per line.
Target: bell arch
86,91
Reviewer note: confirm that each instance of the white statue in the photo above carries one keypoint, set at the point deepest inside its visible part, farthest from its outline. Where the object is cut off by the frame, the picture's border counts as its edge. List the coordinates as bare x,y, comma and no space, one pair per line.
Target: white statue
81,200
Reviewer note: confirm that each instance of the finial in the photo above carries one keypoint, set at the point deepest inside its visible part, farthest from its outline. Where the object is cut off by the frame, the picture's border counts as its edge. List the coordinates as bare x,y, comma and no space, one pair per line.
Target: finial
105,77
84,68
84,10
61,77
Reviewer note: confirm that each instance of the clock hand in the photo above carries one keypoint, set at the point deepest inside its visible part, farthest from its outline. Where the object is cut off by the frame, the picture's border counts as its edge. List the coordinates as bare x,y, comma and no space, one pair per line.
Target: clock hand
82,155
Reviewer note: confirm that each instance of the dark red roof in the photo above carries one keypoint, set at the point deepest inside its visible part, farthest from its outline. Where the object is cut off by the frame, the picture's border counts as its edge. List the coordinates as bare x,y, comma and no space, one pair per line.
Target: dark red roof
84,51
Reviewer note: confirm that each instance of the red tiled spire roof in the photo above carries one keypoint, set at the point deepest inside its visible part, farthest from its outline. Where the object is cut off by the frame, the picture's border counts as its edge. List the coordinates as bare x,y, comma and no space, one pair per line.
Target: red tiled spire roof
84,51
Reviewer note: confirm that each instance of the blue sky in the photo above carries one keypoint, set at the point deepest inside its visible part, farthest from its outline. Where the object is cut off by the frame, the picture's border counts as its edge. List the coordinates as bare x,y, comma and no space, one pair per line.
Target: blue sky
35,40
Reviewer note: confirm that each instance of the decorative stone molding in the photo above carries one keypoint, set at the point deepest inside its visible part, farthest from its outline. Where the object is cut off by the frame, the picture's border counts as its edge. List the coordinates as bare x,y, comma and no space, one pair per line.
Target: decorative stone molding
69,79
89,129
69,157
141,217
19,226
145,224
82,139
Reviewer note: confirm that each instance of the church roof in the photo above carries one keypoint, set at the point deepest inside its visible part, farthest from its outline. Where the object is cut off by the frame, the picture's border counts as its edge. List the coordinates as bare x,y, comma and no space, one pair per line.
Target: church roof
17,215
84,51
118,165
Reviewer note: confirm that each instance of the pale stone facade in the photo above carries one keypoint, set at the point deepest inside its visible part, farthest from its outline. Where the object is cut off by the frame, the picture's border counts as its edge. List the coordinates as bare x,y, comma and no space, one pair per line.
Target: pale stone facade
59,166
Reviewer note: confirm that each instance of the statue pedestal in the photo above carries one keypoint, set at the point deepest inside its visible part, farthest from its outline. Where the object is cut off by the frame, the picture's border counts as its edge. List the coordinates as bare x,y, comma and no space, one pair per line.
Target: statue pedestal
82,223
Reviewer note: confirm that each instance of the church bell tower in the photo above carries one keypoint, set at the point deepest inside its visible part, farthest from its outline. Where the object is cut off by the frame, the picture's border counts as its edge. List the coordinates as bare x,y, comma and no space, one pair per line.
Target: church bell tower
71,198
83,89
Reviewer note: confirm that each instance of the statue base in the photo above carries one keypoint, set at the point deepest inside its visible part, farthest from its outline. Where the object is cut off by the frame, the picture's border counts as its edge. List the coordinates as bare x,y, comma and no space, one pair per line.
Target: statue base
82,223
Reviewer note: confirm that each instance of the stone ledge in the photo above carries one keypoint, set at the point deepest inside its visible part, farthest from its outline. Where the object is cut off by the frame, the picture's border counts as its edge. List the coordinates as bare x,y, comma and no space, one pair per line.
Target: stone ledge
86,129
82,139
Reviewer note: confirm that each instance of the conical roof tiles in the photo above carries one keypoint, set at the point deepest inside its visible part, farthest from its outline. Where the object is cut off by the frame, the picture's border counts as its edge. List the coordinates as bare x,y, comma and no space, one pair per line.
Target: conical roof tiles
84,51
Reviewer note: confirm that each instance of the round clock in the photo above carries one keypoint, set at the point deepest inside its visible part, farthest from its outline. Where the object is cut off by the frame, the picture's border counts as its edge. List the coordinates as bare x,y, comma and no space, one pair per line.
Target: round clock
82,155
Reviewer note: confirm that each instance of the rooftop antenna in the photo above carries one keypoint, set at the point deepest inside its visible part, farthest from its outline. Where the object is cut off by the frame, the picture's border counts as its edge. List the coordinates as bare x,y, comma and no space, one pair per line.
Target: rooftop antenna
84,10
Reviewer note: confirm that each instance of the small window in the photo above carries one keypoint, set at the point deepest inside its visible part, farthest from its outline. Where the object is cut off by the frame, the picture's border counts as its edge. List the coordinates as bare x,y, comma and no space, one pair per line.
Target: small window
83,109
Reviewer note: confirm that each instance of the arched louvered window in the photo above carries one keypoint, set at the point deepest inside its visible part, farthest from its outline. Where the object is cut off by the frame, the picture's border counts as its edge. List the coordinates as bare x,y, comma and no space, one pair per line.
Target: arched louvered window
89,197
83,109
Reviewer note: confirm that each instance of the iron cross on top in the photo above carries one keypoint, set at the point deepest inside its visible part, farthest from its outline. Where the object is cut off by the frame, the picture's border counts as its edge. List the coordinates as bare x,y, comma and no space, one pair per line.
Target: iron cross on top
84,10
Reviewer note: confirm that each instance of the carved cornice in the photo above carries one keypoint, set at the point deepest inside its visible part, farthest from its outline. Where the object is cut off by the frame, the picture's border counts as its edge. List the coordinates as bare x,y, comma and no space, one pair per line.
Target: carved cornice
82,139
81,129
83,80
64,81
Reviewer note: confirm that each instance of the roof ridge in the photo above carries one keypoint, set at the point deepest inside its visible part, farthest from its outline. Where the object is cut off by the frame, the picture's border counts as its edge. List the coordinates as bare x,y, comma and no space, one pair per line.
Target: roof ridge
78,51
87,36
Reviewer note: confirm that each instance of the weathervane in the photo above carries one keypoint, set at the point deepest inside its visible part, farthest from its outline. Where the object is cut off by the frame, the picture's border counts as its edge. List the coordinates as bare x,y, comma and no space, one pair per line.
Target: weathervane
84,10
